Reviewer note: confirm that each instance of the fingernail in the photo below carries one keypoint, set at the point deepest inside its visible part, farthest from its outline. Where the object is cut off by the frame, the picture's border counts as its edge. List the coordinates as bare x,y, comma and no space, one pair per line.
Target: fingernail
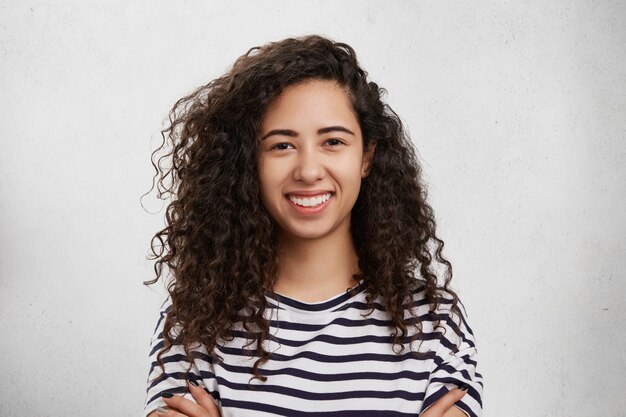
464,387
194,383
161,410
167,395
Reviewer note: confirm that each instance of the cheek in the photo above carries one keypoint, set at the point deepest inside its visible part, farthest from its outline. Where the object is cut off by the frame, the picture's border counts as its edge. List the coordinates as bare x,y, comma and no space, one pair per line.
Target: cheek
270,179
350,170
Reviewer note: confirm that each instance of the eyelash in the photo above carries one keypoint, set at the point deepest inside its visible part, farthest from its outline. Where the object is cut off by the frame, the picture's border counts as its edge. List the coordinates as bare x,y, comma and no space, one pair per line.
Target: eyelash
340,142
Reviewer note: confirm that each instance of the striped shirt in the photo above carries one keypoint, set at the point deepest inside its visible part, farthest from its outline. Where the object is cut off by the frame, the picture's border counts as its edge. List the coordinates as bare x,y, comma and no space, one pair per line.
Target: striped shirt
328,359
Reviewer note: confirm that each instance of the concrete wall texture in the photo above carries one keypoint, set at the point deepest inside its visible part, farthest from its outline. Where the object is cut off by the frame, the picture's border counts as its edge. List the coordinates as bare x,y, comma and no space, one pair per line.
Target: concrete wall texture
517,109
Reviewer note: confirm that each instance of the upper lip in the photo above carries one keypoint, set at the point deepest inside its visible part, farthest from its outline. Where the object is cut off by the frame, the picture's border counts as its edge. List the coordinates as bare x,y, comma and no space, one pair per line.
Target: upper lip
309,193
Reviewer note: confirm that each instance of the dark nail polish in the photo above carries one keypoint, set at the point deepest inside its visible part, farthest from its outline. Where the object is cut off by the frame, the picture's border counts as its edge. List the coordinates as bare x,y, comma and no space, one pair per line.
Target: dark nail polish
464,387
192,382
167,395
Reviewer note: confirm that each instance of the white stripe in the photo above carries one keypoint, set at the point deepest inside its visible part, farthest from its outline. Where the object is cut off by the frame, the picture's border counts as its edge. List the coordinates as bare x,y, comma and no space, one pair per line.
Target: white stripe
290,314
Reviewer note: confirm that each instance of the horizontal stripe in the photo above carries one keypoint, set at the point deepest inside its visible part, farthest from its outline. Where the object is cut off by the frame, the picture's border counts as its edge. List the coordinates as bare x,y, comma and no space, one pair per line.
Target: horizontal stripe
290,412
316,307
327,396
312,376
472,392
336,340
328,358
333,358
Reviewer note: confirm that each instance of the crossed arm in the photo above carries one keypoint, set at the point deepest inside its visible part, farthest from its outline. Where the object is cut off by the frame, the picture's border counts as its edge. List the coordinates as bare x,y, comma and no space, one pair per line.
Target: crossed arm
205,406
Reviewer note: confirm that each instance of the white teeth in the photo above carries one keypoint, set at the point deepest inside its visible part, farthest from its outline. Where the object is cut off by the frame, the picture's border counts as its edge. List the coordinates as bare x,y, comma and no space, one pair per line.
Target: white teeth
310,202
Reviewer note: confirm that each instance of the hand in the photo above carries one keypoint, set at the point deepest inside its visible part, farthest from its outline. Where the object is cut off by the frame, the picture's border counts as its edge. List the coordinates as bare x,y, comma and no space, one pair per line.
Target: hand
206,407
182,407
444,406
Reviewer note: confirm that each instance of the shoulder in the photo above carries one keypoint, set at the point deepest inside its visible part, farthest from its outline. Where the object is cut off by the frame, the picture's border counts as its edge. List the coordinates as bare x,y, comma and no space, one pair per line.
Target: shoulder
440,301
455,355
444,313
166,320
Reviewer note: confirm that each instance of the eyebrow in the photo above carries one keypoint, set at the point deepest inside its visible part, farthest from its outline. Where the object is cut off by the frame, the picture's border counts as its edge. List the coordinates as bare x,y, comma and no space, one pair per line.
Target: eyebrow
293,133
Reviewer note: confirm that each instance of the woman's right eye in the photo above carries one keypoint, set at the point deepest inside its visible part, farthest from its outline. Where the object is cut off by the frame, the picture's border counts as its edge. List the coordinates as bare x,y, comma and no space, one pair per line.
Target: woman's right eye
278,146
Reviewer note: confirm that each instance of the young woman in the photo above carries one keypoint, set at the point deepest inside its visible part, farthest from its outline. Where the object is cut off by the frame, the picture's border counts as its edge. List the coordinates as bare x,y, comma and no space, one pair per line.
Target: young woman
302,253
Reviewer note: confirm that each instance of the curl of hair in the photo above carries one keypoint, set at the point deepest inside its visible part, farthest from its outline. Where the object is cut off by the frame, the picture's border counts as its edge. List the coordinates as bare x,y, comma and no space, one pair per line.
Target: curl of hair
219,242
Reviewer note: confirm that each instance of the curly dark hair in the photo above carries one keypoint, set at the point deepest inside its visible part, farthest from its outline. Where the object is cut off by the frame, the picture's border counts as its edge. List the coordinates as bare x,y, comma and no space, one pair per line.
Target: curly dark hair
220,243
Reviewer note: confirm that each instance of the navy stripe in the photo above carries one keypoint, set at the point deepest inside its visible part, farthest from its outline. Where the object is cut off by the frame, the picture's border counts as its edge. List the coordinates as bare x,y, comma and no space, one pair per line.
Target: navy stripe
163,311
316,307
325,396
281,411
336,340
466,408
340,321
177,390
279,324
440,362
431,399
463,318
181,390
312,376
458,382
180,376
450,371
362,305
333,340
469,361
168,359
331,359
452,346
181,357
157,346
161,318
173,375
451,362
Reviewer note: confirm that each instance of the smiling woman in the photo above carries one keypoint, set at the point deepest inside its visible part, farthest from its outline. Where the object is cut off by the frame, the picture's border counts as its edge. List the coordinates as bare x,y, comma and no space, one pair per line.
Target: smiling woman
302,252
310,186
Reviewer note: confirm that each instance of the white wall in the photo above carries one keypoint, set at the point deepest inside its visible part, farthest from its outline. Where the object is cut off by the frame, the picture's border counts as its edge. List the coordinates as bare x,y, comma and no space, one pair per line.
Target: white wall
517,108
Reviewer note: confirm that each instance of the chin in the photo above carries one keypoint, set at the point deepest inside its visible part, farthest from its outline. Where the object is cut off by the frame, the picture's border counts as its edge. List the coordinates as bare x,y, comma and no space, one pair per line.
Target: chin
313,233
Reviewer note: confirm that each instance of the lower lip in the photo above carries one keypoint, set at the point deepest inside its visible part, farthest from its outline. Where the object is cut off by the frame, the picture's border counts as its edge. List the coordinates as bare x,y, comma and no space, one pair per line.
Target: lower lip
310,210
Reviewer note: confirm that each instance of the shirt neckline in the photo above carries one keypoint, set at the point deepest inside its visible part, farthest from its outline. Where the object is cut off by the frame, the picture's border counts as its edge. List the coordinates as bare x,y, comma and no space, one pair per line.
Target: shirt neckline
329,304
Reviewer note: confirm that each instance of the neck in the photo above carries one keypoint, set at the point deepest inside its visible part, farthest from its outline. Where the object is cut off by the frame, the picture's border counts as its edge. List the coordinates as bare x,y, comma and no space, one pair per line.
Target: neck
313,270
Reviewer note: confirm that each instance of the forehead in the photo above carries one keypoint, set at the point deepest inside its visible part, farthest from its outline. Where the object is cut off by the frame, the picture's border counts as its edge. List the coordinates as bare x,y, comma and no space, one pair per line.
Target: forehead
310,103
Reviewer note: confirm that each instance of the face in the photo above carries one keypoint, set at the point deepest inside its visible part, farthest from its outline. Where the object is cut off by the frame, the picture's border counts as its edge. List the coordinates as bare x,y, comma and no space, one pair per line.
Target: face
311,160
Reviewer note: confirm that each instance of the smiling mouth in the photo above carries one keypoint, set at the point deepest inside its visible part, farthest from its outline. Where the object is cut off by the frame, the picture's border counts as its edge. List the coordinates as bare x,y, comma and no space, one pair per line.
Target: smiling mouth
310,202
310,206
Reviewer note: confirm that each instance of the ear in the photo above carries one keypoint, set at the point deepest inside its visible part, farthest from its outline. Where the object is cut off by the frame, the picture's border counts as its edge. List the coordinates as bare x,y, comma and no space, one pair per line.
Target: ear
368,158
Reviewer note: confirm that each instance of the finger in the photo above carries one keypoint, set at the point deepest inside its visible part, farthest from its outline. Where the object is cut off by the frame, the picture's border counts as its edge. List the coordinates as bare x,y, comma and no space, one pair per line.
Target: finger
167,412
444,403
204,399
186,407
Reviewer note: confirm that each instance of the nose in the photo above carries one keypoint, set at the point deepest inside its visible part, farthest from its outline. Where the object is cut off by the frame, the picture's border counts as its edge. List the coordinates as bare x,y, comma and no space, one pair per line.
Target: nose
309,166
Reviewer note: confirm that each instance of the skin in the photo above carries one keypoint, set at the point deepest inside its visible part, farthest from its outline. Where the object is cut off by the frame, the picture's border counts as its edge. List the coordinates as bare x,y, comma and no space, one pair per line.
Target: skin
316,253
205,406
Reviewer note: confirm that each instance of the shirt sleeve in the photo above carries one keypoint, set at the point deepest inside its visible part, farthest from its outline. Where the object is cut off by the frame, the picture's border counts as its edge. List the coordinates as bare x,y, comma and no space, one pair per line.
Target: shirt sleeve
173,378
456,364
